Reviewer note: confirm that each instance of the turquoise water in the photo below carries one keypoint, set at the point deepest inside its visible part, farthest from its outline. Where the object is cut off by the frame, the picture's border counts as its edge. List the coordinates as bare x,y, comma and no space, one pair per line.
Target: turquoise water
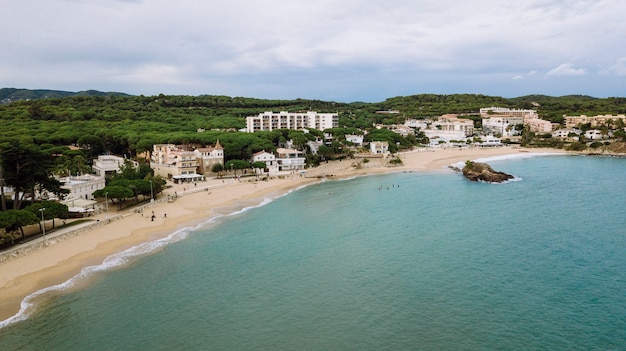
407,261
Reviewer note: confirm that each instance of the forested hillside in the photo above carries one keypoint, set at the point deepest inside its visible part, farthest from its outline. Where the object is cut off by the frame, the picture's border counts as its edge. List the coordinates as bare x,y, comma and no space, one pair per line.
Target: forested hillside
132,124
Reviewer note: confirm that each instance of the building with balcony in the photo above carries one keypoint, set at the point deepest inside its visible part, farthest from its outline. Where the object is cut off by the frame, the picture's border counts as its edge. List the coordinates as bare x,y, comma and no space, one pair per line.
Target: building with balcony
291,120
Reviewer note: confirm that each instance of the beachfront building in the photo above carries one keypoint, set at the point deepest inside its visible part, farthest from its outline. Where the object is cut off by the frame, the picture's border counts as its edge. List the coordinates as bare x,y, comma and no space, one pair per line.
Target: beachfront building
503,126
594,121
314,145
567,133
82,187
291,120
490,141
355,139
109,164
379,147
444,128
503,121
271,165
208,157
176,162
289,159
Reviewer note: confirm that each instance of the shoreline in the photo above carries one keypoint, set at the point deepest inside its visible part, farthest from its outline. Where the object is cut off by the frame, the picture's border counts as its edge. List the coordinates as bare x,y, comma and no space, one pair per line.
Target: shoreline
28,276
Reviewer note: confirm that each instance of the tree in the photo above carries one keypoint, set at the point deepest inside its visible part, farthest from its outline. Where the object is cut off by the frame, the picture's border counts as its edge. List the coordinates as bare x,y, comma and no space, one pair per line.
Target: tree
25,166
237,164
114,192
52,210
22,218
217,168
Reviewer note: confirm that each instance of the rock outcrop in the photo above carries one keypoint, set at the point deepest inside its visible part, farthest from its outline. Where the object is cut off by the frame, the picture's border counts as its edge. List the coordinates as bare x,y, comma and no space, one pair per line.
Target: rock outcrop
476,171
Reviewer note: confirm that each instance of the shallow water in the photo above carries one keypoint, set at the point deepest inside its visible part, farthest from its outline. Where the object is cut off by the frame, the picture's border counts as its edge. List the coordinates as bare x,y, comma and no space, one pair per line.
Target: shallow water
387,262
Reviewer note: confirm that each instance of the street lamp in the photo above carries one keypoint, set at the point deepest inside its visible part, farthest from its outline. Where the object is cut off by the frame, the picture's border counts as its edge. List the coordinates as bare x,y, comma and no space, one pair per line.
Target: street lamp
151,194
106,202
44,225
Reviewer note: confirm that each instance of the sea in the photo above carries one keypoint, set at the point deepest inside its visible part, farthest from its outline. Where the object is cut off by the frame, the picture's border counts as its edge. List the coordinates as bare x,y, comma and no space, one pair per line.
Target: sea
400,261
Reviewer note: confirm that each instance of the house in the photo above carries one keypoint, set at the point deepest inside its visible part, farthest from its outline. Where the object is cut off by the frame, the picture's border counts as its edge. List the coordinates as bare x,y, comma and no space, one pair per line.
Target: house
356,139
314,145
291,120
289,159
271,165
594,134
379,147
208,157
565,133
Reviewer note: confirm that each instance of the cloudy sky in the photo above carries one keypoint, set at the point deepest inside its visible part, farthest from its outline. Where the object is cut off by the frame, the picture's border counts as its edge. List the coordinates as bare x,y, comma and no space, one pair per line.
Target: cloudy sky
339,50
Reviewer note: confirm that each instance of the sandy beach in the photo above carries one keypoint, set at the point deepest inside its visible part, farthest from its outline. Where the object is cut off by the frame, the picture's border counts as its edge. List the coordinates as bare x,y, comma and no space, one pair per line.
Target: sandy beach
62,259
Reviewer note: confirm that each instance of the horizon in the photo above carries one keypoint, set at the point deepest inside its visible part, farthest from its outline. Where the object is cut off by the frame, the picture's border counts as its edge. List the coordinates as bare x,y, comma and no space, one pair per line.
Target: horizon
356,50
278,98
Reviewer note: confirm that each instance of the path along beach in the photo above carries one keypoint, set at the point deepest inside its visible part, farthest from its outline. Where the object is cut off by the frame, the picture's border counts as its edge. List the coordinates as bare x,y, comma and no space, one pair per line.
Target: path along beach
60,260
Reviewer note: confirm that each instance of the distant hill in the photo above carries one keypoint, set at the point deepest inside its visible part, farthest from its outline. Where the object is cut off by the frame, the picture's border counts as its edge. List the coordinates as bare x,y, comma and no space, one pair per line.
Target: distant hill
8,95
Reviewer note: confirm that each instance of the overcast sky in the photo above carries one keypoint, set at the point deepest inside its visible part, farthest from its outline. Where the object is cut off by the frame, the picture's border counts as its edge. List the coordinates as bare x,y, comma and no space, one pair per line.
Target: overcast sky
339,50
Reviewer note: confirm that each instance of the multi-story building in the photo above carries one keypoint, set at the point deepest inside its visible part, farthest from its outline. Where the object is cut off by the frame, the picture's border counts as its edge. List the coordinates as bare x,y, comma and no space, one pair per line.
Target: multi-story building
109,164
289,159
446,127
291,120
538,125
507,112
177,162
594,121
82,187
207,157
271,166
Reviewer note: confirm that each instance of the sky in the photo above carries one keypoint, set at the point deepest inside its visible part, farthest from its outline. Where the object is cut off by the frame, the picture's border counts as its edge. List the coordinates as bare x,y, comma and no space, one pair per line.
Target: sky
339,50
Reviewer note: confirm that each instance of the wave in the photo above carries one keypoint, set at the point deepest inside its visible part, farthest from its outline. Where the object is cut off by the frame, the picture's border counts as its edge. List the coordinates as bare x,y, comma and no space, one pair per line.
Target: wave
518,156
121,259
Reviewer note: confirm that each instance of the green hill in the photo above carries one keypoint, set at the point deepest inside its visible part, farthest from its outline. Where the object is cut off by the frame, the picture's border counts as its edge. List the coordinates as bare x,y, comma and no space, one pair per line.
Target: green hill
8,95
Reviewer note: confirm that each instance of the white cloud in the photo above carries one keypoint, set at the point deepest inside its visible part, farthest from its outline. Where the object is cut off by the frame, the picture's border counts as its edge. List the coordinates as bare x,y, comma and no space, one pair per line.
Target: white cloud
566,69
134,44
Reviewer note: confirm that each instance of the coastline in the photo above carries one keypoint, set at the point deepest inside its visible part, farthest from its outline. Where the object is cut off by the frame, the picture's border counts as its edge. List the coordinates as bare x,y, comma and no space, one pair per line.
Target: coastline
60,261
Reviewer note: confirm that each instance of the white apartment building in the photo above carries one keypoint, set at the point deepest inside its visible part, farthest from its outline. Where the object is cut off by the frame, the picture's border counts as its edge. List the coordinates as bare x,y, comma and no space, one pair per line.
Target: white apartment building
291,120
289,159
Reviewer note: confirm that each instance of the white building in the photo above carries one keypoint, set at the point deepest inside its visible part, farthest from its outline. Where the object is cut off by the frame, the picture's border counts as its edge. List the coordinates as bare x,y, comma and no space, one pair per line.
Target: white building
271,165
291,120
82,187
289,159
594,134
355,139
445,128
503,126
379,147
109,164
490,141
207,157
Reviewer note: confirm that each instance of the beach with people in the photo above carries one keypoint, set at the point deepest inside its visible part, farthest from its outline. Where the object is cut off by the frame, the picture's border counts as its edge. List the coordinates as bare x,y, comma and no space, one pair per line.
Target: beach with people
60,258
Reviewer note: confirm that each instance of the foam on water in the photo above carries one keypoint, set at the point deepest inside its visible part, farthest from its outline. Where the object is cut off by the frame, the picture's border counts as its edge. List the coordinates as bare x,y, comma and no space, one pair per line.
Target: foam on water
117,260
